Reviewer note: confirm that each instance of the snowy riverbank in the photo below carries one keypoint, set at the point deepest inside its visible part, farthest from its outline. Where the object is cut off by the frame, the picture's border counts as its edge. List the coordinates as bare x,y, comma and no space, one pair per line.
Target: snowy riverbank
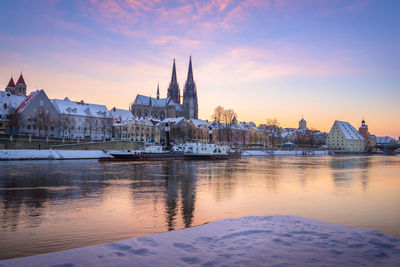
44,154
248,241
32,154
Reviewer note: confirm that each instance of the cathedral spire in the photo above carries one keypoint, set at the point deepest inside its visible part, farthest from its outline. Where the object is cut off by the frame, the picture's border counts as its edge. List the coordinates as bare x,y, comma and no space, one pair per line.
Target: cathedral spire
158,90
173,90
190,72
174,80
190,104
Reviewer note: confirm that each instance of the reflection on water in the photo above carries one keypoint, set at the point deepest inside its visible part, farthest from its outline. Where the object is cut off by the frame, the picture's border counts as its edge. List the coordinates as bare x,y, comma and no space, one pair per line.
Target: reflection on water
54,205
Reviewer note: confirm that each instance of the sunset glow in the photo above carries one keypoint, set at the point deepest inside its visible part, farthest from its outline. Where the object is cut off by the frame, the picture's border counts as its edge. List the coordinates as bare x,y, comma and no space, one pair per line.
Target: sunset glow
324,60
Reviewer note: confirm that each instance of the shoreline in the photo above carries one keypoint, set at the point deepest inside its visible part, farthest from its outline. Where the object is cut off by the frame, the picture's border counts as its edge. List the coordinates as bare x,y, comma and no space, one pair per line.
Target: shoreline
255,240
50,154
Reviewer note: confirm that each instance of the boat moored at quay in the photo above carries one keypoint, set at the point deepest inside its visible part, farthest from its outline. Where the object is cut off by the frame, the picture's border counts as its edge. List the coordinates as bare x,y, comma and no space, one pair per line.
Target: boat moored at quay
187,151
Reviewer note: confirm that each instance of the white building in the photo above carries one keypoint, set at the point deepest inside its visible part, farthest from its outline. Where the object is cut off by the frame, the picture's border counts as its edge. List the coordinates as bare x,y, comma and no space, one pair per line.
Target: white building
82,120
8,104
137,129
343,136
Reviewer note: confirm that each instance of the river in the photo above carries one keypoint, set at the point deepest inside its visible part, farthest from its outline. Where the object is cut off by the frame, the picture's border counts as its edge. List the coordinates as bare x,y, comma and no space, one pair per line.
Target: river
48,206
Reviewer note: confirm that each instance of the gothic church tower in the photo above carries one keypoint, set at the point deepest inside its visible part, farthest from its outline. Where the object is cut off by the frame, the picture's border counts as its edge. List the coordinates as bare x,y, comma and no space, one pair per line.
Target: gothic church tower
20,86
190,105
17,89
173,89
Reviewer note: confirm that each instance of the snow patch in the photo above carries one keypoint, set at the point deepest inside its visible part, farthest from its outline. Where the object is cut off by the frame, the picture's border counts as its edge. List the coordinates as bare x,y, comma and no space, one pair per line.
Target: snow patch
247,241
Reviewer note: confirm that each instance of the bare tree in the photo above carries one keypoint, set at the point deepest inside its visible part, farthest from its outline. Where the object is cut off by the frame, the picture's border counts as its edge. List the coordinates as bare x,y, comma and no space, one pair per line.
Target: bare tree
218,114
228,116
106,126
67,123
272,122
41,120
15,119
90,123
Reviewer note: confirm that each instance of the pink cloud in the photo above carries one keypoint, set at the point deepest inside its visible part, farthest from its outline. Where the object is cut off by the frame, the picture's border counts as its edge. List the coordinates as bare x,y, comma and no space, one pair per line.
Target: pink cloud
176,41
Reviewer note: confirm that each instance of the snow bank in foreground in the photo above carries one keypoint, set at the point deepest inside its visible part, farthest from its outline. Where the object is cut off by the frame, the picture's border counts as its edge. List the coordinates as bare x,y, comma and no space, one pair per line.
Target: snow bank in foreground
11,154
281,153
247,241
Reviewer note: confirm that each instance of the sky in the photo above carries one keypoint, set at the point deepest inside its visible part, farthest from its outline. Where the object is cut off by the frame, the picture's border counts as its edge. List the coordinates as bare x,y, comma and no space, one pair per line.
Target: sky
323,60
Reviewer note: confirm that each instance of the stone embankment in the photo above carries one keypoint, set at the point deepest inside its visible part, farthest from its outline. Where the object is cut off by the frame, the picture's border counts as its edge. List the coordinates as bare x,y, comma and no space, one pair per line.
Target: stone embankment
46,154
25,142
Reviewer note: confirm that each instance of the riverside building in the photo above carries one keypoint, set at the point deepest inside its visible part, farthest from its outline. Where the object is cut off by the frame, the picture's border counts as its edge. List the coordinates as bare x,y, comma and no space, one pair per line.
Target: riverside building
343,136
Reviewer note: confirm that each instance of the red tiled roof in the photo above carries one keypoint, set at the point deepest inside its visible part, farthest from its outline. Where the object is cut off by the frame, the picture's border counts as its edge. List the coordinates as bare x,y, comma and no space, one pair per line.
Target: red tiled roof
11,83
21,80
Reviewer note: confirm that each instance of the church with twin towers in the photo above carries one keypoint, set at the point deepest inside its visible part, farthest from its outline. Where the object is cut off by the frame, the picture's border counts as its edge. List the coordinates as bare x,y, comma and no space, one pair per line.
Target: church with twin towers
171,106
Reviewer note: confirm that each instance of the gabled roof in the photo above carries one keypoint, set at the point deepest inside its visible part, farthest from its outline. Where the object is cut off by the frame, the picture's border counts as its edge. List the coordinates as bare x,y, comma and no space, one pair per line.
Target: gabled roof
197,123
174,120
349,131
28,100
11,83
385,140
121,115
67,107
7,101
21,80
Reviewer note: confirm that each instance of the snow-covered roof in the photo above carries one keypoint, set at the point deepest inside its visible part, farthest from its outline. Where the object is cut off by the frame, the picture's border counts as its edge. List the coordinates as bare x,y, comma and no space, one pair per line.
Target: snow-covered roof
8,100
198,123
173,120
68,107
385,140
145,101
121,115
148,121
349,131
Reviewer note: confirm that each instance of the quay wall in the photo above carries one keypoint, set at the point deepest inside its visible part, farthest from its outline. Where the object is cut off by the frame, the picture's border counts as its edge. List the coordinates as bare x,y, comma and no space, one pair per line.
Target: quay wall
24,142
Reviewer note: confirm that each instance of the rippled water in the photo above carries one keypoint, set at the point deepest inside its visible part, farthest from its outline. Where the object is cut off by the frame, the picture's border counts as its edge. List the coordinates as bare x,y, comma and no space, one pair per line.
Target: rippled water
48,206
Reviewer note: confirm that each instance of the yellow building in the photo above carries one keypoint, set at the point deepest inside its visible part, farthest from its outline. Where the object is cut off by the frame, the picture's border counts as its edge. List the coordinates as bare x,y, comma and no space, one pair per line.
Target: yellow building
258,136
343,136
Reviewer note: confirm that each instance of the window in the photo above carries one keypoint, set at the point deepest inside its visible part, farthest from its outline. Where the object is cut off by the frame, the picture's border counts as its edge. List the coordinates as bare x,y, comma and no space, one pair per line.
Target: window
28,127
41,102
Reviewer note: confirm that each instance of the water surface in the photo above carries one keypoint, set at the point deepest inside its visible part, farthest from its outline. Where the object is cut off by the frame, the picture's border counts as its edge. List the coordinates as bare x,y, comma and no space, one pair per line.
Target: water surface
48,206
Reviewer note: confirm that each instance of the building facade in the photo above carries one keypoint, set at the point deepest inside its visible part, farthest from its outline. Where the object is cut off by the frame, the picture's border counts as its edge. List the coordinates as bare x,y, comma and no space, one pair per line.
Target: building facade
80,120
38,116
343,136
137,129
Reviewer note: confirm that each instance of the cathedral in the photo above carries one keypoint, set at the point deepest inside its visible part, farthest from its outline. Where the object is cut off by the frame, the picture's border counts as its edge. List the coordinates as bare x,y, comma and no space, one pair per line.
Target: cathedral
170,107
